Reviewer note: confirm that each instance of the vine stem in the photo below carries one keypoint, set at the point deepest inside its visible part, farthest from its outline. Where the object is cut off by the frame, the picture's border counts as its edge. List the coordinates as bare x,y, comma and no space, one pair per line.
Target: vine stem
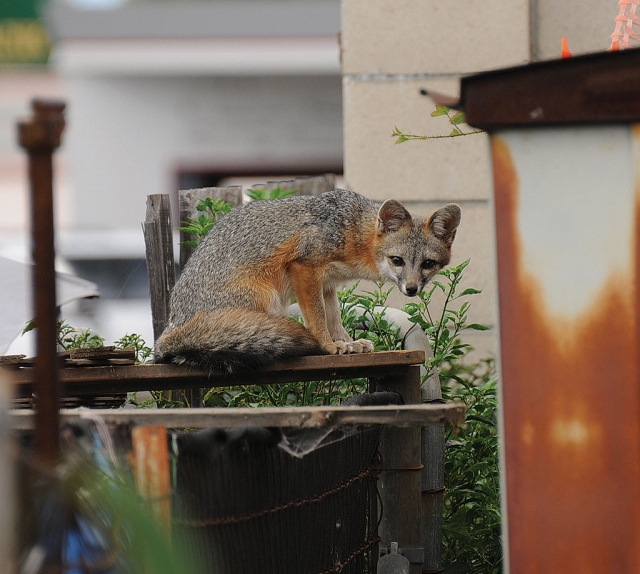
408,137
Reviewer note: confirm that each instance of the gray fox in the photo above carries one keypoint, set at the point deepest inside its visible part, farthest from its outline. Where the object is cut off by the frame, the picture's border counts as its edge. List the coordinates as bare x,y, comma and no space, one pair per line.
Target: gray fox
227,310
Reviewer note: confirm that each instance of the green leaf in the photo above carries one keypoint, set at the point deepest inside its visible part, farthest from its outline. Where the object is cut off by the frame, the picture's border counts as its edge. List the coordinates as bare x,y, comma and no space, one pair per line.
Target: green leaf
256,194
458,118
479,418
440,111
30,326
470,291
477,327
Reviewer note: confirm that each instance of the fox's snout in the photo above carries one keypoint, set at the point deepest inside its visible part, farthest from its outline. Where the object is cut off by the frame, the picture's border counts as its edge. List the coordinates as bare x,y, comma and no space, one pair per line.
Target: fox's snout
411,289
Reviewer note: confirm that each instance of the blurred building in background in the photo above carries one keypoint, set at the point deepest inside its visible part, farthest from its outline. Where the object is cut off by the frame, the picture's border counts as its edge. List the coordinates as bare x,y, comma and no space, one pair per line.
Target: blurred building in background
165,96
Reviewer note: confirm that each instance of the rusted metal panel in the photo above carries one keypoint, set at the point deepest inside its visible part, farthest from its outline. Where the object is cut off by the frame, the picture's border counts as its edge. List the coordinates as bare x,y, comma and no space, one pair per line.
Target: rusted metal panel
151,469
595,88
568,238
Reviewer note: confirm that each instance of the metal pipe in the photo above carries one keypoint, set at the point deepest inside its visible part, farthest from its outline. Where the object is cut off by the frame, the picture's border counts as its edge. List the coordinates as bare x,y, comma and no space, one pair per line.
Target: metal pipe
40,136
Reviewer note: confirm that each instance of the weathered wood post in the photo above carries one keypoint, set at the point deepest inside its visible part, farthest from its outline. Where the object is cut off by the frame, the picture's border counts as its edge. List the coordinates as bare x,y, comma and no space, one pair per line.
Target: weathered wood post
41,136
158,237
400,479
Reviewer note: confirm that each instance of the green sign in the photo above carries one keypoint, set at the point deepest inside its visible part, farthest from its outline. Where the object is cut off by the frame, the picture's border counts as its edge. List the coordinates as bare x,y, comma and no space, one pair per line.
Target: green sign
23,38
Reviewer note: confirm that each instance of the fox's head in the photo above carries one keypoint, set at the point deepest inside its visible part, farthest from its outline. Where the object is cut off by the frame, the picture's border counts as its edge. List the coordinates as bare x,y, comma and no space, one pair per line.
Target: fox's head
410,251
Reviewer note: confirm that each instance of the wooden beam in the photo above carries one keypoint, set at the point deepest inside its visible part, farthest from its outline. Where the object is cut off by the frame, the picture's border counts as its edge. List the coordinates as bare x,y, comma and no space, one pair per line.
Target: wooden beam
109,379
394,415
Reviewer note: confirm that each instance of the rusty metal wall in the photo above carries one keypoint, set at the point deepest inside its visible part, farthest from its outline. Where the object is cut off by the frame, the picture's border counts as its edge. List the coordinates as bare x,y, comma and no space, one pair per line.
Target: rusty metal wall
568,239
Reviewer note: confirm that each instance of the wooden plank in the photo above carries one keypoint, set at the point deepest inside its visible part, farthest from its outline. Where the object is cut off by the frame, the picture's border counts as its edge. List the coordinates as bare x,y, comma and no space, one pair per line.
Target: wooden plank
11,359
108,379
284,184
93,356
394,415
158,237
315,185
99,362
92,352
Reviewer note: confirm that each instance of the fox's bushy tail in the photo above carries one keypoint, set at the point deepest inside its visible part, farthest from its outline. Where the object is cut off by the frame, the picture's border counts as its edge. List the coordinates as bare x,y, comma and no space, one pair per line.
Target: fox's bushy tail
235,339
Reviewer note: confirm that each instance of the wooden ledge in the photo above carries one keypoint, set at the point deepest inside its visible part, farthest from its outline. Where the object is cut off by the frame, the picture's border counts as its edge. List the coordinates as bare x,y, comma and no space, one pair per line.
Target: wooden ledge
393,415
128,378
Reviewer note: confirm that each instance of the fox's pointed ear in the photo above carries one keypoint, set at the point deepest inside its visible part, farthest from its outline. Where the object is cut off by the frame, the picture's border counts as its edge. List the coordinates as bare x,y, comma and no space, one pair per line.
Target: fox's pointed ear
392,216
444,223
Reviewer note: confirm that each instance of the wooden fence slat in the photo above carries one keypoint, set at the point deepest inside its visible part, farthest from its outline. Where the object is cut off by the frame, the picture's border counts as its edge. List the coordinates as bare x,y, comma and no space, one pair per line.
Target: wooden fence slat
158,237
283,184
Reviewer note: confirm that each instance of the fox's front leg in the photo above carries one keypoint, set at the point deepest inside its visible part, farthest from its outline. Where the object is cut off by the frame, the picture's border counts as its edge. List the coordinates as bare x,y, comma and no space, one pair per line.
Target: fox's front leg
307,285
335,326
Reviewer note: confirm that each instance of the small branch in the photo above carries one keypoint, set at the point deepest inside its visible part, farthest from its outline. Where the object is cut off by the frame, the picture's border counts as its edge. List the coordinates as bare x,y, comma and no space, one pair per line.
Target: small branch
403,136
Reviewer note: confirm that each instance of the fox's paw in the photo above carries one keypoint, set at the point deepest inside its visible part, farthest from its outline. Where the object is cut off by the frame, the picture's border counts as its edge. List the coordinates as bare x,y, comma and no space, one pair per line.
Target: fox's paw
351,347
362,346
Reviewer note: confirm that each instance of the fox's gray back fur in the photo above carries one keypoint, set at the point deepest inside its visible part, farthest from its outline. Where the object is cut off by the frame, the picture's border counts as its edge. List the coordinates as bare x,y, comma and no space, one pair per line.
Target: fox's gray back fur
248,236
216,319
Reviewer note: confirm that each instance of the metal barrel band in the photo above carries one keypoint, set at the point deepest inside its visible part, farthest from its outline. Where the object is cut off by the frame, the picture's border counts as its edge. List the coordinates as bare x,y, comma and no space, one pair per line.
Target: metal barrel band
410,467
367,472
433,490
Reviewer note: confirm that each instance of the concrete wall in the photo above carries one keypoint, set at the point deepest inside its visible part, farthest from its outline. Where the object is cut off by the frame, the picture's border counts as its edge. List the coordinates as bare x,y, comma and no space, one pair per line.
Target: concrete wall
391,49
130,136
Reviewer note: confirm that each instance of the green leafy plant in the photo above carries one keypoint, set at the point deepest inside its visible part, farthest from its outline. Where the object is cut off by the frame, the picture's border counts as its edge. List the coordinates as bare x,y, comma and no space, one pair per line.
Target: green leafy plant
472,517
444,328
455,119
363,316
211,210
68,337
135,341
261,194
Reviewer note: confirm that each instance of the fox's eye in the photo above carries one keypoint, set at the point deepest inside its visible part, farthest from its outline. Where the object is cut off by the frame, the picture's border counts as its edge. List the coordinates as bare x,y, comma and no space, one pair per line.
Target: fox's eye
397,261
429,264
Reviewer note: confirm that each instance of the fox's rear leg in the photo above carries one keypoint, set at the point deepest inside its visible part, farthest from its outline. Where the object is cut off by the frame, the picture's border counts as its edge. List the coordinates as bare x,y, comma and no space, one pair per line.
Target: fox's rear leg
336,328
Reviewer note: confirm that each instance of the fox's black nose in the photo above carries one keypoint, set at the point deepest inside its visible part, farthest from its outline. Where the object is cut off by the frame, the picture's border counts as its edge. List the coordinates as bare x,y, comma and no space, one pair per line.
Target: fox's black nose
411,290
